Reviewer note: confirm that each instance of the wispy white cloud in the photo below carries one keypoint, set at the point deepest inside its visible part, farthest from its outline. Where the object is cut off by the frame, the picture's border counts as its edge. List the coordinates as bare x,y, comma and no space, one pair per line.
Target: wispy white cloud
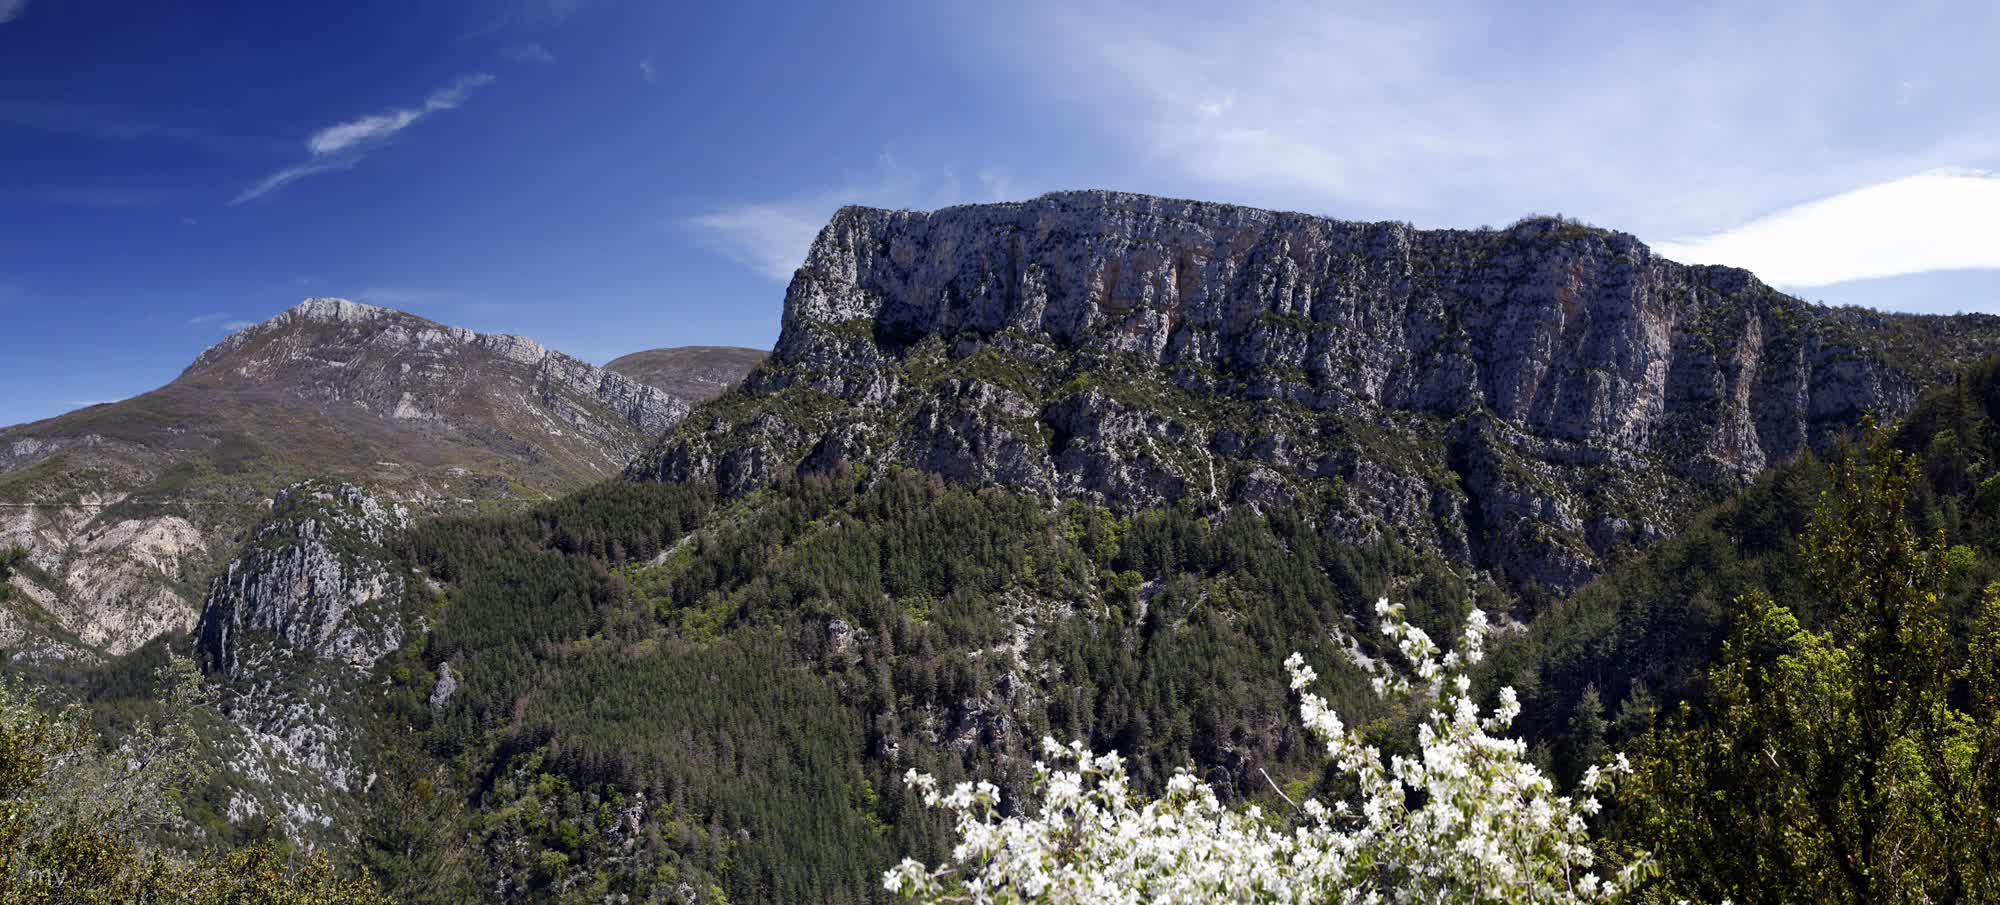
11,10
342,145
647,70
342,136
292,174
223,320
1938,220
771,237
527,53
1660,120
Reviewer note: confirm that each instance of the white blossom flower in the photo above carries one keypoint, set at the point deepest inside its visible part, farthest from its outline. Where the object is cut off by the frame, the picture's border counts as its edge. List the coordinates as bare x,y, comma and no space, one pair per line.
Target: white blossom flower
1466,819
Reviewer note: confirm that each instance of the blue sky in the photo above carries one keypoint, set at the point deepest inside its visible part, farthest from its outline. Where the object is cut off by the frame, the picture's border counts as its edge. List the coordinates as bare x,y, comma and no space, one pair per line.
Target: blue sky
612,175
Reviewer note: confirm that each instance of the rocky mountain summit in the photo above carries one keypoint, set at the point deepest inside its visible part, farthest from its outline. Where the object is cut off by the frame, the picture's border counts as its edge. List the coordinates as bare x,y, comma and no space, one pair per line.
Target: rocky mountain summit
694,373
128,508
1527,401
498,392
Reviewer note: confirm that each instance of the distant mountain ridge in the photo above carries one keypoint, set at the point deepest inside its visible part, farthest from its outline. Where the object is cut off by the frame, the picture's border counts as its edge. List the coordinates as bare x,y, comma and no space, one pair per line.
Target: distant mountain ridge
694,373
128,507
407,369
1526,401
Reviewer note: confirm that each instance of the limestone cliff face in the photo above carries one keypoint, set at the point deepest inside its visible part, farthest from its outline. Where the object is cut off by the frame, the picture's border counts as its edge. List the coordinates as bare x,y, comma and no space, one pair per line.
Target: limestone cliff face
312,582
1526,400
291,633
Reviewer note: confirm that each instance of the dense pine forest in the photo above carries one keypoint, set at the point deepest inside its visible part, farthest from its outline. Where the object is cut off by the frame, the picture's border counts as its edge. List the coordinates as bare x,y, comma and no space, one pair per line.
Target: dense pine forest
760,685
649,691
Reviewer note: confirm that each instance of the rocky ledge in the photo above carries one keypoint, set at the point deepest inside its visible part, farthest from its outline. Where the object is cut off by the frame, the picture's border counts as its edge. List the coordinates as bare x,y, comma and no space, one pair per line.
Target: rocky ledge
1528,400
292,632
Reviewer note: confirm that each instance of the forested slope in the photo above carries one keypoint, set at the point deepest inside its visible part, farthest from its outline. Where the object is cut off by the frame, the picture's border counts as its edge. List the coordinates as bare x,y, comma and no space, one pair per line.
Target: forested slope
745,697
801,647
1642,636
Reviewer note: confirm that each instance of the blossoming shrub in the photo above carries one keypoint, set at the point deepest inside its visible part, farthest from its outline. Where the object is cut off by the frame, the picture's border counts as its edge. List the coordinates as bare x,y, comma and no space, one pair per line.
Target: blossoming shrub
1467,819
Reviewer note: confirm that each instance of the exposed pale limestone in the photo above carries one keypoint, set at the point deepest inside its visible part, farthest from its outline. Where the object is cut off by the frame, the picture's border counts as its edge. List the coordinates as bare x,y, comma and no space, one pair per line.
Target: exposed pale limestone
351,389
292,630
447,685
301,587
434,366
1525,400
115,580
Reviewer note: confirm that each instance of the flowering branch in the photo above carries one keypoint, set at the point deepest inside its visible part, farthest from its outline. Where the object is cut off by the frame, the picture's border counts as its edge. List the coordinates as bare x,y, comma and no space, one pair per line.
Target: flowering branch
1488,826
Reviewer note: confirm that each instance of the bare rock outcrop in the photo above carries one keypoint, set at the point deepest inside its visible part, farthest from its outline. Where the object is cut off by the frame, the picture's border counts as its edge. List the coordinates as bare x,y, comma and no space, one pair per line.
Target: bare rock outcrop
291,633
1525,400
129,508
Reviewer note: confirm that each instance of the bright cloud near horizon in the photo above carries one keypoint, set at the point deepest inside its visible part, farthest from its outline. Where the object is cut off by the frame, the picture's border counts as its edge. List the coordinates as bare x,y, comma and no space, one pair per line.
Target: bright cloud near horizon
771,237
1814,144
641,178
1939,220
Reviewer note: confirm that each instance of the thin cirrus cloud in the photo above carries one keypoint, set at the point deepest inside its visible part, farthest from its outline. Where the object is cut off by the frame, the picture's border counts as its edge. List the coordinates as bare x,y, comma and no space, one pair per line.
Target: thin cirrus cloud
1406,112
342,145
527,53
1936,220
771,237
11,10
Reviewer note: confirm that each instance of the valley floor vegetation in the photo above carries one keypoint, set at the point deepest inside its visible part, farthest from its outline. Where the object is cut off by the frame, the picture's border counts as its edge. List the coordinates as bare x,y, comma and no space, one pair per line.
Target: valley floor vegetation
88,823
665,696
1858,763
1465,818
